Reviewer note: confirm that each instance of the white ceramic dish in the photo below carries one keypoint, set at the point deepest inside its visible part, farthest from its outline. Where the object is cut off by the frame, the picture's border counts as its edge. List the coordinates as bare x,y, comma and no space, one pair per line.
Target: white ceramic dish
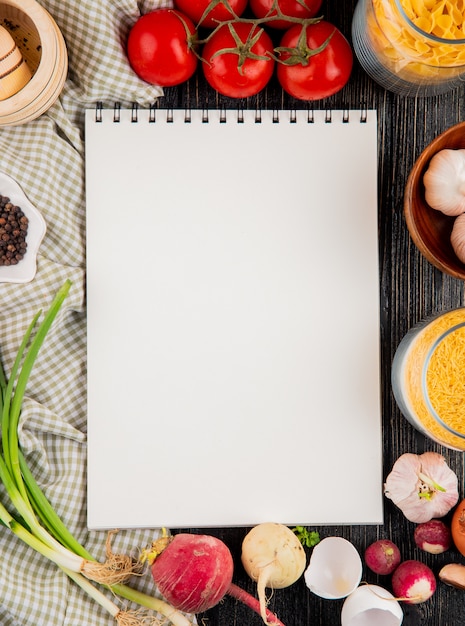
26,269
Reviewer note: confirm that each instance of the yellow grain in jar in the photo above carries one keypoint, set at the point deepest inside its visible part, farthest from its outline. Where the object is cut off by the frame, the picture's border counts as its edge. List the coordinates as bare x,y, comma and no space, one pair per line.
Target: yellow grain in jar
428,378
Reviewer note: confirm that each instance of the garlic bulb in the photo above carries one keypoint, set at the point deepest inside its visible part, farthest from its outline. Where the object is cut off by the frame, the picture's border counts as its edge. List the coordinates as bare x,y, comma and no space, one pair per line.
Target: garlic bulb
457,237
444,182
422,486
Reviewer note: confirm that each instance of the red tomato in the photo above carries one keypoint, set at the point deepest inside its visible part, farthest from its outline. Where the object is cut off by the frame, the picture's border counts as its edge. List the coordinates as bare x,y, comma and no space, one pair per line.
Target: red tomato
325,72
235,74
158,48
218,12
290,8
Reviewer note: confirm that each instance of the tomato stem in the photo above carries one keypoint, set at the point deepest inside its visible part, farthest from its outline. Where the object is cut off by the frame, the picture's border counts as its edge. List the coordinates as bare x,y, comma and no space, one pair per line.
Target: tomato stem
301,54
243,49
215,3
249,20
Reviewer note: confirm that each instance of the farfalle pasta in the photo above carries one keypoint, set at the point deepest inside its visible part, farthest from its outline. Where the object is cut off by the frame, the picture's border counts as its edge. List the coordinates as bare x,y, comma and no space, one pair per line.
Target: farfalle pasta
420,40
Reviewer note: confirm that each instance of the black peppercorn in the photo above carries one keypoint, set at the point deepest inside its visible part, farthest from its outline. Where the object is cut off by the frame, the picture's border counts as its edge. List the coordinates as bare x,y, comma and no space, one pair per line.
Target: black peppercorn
13,232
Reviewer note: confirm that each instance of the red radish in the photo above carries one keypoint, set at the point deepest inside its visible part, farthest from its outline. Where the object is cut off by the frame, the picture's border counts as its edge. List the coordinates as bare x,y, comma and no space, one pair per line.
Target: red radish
254,604
433,536
194,573
382,556
413,582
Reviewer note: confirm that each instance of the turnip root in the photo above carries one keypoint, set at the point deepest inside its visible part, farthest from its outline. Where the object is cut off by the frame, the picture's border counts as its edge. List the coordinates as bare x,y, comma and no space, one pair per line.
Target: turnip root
382,557
433,536
273,557
413,582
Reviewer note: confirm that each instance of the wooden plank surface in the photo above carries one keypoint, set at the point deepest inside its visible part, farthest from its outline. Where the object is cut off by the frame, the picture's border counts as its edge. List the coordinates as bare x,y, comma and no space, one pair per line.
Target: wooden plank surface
411,289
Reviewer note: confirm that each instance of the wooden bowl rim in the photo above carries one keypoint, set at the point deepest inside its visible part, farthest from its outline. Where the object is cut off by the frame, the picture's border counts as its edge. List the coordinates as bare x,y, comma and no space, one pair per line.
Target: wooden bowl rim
453,267
24,105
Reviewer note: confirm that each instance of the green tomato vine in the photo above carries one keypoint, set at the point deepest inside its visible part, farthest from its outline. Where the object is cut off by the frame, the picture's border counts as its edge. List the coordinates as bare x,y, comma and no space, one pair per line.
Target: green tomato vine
301,54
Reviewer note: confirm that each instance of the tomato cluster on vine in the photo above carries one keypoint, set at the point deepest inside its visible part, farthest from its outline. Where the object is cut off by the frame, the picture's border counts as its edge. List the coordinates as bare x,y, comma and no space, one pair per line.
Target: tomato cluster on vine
233,41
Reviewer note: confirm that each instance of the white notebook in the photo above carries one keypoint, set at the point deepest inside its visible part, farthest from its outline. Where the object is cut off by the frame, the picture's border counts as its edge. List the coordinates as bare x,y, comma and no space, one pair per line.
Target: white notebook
233,318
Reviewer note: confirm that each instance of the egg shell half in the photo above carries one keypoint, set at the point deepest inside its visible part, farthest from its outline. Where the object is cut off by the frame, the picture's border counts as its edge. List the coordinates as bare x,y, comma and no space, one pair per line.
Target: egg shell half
371,605
335,568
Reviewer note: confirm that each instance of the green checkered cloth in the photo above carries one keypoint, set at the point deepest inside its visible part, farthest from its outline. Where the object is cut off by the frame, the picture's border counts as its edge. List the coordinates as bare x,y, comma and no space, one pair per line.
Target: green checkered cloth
46,157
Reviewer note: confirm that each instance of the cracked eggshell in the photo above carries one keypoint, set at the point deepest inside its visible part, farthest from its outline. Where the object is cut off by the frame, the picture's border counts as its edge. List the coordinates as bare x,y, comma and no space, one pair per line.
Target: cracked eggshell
371,604
335,568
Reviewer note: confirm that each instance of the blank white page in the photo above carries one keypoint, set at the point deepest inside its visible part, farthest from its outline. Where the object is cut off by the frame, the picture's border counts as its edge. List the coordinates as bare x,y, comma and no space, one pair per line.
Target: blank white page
233,319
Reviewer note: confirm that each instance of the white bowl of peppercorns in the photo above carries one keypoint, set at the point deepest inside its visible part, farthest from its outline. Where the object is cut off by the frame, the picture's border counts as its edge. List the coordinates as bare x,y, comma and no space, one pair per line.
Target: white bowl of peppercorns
22,229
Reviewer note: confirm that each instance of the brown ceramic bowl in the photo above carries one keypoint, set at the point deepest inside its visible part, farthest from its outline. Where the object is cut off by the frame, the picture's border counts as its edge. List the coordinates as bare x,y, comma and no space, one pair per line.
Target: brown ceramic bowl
430,229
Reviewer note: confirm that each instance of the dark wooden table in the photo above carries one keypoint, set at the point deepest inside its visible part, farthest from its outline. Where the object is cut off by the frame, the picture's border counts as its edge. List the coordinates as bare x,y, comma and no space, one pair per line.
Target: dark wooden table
411,289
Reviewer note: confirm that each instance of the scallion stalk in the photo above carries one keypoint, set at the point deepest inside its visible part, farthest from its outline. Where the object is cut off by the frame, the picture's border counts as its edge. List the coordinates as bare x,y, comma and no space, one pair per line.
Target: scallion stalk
45,532
8,392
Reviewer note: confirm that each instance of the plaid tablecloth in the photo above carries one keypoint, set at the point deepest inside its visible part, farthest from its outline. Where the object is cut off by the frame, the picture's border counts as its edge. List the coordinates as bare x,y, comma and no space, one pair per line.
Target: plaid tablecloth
46,157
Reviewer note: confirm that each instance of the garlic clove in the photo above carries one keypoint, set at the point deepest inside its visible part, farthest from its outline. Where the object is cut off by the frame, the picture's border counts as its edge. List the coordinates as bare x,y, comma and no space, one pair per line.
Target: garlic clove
457,237
453,574
444,181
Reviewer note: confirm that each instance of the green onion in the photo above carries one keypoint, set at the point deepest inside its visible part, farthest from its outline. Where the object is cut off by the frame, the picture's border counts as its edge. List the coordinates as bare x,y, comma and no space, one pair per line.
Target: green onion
41,528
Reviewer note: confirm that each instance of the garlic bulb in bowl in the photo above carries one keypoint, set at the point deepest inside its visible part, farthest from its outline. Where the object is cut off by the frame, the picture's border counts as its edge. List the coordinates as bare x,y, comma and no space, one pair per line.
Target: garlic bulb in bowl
430,228
444,181
457,237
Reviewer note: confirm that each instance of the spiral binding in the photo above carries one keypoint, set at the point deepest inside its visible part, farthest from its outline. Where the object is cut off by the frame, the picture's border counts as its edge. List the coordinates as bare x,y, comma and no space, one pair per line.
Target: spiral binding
225,115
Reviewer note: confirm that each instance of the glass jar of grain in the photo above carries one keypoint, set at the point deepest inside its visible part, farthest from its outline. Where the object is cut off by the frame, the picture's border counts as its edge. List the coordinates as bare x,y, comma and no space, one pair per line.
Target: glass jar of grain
411,47
428,378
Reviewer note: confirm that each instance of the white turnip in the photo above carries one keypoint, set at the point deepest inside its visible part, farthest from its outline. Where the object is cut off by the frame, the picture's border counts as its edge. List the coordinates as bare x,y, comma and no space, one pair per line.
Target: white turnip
273,557
433,536
413,582
382,557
